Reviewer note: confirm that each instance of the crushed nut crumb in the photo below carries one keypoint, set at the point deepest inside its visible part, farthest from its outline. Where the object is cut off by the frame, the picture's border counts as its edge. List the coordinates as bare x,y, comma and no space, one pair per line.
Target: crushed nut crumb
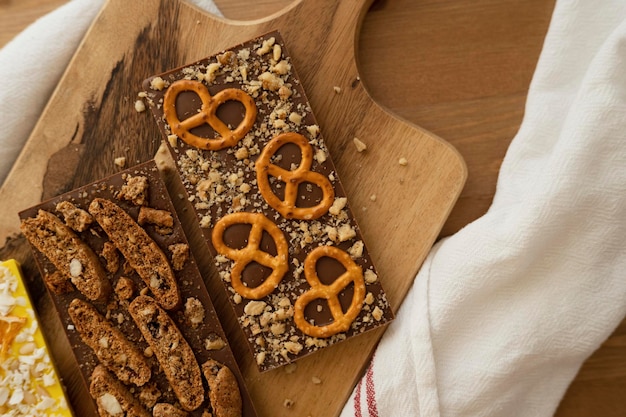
140,106
359,145
120,162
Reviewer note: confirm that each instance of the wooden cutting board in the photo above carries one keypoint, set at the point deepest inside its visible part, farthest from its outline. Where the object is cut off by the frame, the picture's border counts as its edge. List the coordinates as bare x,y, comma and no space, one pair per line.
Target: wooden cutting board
91,120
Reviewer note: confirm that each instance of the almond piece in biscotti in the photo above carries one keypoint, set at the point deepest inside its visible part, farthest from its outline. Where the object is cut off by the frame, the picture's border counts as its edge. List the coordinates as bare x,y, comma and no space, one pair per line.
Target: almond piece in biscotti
141,252
224,392
110,345
68,253
171,350
112,397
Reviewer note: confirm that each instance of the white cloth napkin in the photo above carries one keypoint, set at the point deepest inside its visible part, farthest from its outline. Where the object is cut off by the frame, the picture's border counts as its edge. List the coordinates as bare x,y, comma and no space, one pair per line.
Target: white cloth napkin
503,313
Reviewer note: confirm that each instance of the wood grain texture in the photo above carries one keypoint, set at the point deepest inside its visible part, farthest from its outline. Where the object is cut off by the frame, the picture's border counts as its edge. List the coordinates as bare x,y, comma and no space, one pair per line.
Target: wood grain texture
461,70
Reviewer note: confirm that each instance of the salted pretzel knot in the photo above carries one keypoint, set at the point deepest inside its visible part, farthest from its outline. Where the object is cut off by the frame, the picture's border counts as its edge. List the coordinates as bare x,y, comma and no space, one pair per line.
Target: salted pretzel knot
207,114
292,179
252,252
341,320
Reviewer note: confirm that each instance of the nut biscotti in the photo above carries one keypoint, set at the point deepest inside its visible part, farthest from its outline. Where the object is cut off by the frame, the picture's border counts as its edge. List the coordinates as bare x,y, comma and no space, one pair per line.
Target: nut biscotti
129,224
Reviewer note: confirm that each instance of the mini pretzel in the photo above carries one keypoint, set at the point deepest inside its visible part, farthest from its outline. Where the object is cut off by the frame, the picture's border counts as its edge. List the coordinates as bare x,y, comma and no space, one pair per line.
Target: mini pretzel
207,114
292,179
252,252
341,321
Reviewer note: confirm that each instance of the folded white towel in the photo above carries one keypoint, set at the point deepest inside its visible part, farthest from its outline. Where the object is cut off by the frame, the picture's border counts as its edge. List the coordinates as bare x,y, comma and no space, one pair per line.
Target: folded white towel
503,313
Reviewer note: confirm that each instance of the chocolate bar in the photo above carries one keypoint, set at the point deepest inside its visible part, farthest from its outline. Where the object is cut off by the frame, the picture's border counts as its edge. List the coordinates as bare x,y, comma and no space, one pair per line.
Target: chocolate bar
129,294
268,200
24,352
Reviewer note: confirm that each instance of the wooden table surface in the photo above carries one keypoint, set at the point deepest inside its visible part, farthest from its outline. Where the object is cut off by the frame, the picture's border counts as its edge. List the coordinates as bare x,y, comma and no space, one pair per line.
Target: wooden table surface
460,70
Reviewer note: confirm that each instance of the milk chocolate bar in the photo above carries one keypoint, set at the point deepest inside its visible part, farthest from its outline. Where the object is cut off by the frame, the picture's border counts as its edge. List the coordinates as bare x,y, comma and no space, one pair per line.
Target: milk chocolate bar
142,342
268,200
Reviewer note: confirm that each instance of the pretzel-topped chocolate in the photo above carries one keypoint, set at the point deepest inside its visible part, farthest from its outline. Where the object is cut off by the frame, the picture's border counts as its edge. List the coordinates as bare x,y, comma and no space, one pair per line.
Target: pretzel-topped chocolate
252,252
353,274
207,114
283,186
292,179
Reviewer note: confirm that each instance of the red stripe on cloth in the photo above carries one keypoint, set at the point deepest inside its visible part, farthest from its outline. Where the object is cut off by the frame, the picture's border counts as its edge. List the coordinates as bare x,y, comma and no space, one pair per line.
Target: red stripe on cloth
370,392
357,400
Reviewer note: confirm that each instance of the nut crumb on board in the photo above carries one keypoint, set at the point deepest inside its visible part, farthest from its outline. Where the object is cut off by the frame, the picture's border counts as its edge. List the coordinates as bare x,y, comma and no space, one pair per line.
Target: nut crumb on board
140,106
120,162
359,144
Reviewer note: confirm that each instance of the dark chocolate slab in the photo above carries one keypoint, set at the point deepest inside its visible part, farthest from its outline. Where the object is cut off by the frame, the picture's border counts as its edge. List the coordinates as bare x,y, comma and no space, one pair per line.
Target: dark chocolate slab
188,278
240,178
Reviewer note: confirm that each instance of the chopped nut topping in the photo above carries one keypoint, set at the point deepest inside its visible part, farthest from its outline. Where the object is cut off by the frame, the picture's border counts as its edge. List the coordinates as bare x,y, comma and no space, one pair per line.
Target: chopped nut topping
172,140
377,313
76,218
314,130
345,232
267,46
214,343
180,255
270,81
211,71
135,190
295,118
255,308
277,52
157,83
281,68
338,205
370,276
194,311
356,250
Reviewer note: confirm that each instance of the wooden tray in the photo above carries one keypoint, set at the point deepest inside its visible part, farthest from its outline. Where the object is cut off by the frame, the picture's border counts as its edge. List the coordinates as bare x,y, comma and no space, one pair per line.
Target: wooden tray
90,120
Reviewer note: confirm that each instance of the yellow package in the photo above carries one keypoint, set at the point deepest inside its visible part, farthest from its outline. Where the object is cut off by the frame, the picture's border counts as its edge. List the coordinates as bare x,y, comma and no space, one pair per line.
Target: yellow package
29,385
